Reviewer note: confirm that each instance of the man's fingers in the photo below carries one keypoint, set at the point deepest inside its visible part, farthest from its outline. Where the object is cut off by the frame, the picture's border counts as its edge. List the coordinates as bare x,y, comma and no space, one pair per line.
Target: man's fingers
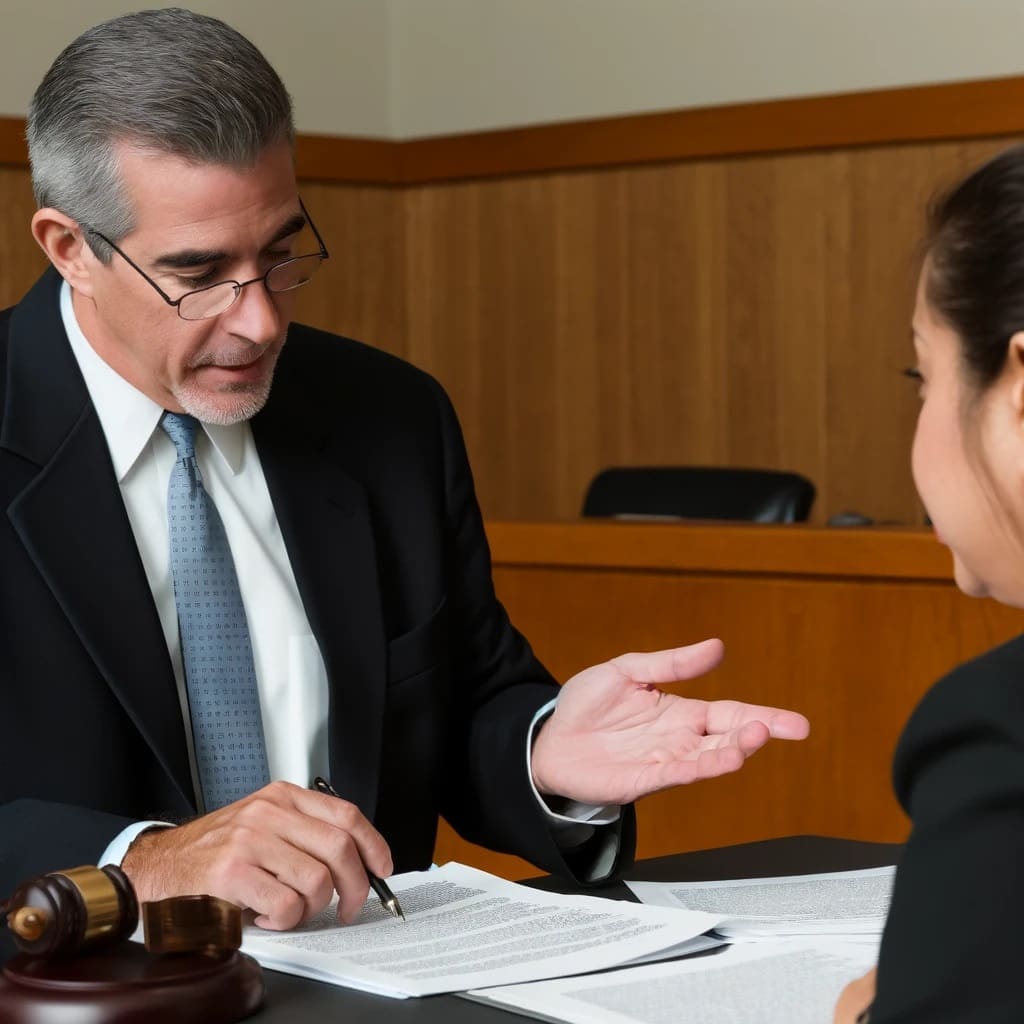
340,814
337,852
277,906
724,716
671,666
329,846
307,865
751,737
281,852
708,764
789,725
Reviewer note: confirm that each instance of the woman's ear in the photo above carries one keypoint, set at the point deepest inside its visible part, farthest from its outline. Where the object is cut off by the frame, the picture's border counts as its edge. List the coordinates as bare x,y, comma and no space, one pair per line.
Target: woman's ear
63,241
1015,371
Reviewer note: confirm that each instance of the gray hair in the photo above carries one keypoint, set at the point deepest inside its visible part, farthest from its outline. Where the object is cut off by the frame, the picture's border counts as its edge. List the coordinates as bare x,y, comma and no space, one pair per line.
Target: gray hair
169,80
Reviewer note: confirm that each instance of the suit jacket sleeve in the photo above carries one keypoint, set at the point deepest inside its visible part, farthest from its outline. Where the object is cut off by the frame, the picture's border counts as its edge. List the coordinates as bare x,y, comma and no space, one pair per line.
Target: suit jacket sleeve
488,797
950,948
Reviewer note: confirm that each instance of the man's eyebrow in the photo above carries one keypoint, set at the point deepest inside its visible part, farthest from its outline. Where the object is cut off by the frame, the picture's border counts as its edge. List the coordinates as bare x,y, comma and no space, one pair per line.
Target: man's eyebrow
187,259
292,226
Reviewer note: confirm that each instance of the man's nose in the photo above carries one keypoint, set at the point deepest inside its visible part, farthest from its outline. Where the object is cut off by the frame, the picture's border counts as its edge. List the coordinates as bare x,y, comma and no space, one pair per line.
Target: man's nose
254,315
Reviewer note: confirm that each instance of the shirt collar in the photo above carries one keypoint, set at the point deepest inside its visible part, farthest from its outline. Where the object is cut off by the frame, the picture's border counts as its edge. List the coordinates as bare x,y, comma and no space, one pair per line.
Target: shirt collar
129,417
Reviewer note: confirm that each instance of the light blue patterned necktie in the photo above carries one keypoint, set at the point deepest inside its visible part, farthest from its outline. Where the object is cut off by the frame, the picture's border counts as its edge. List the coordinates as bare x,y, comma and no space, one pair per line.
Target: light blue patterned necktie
220,676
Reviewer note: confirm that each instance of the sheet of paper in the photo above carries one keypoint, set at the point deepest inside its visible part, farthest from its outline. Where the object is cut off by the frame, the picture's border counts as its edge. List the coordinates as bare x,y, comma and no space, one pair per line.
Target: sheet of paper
779,982
838,902
466,929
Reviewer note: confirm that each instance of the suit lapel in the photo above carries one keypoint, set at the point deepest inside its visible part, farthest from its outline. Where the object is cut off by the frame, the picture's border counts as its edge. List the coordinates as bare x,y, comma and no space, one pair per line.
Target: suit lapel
326,526
73,524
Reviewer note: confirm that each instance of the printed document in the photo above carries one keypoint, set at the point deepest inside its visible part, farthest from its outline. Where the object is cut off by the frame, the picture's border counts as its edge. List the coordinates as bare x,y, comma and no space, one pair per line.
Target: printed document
774,982
467,929
836,903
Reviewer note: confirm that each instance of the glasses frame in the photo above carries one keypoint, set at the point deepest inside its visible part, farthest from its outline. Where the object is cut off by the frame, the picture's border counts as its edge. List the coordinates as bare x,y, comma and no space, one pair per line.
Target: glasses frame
238,285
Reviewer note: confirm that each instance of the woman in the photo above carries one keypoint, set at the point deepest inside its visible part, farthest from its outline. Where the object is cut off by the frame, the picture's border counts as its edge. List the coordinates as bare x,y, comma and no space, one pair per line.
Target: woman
951,950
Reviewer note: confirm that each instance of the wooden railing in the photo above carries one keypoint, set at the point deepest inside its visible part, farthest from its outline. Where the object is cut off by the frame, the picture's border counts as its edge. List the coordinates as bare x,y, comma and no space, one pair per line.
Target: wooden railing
951,110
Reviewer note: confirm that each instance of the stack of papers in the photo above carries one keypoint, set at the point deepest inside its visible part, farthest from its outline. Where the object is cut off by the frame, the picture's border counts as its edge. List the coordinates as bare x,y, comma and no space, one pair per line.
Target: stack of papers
802,939
775,982
467,929
853,904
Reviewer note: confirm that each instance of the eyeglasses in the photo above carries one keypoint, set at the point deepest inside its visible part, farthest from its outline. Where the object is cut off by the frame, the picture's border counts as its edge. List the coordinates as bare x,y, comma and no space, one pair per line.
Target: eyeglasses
214,299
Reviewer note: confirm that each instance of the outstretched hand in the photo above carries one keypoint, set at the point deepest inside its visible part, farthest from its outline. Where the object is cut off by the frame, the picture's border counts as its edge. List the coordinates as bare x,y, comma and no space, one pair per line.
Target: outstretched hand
615,737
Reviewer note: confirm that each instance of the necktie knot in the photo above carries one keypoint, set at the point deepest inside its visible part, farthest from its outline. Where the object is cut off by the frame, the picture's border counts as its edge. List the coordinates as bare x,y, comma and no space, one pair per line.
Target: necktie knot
181,429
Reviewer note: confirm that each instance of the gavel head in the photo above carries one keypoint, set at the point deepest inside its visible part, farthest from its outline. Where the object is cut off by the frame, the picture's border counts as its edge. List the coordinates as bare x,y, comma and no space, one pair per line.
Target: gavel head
67,912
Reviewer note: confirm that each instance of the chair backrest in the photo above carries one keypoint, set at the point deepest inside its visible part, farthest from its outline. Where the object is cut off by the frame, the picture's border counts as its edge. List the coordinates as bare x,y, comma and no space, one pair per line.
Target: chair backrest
700,492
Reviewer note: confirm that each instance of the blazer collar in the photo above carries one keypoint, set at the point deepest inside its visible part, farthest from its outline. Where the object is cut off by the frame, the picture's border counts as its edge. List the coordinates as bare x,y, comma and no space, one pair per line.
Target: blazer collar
71,519
45,391
326,523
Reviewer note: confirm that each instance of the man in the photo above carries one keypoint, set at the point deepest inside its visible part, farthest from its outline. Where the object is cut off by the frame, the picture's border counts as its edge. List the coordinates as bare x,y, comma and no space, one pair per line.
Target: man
154,387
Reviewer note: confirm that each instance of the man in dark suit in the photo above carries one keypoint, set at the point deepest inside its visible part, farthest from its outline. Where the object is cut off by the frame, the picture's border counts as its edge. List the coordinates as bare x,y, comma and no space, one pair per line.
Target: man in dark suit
161,146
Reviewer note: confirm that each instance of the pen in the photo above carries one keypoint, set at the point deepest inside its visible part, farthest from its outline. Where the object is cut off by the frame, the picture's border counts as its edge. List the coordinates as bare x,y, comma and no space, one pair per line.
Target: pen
378,885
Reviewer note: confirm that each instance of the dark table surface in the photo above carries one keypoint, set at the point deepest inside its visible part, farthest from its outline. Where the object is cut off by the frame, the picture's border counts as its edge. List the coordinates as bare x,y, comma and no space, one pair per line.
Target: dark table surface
296,1000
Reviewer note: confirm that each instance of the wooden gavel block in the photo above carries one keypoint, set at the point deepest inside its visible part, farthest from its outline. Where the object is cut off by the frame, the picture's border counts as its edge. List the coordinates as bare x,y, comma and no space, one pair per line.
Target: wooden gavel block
72,928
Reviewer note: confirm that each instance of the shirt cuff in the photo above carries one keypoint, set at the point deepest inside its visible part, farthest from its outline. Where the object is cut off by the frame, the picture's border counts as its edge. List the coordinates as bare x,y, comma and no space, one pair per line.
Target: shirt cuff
118,846
564,814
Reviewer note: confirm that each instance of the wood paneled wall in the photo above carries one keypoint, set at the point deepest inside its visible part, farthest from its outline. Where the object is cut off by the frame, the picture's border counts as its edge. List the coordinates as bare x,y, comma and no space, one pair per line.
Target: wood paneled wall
750,310
21,261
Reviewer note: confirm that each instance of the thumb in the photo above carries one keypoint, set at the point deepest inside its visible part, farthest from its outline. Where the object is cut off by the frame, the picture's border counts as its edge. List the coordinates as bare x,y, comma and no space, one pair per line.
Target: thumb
670,666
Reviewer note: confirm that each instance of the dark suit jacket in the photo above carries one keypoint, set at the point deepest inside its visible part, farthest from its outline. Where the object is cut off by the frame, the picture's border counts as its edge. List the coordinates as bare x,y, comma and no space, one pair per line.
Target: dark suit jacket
431,689
951,949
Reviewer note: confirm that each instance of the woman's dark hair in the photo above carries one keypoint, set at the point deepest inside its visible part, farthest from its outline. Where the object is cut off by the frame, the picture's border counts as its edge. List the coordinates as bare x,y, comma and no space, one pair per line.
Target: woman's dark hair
974,252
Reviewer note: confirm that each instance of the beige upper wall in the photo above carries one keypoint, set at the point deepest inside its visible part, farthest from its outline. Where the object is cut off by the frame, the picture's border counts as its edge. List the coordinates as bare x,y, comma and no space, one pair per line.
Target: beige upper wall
408,68
468,65
334,55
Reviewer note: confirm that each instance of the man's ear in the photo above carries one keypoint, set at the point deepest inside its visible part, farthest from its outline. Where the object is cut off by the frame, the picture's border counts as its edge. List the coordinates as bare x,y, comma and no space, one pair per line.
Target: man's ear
63,241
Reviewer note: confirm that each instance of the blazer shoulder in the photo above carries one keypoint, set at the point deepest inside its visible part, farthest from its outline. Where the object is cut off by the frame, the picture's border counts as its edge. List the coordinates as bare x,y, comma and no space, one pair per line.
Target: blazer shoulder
356,380
979,702
312,351
5,330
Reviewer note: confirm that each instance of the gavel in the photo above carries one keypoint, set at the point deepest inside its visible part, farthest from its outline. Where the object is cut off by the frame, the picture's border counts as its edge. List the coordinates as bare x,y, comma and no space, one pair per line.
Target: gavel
68,912
79,910
77,966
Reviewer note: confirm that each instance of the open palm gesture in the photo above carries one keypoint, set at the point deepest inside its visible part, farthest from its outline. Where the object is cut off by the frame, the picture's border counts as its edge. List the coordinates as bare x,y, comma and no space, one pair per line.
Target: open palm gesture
614,736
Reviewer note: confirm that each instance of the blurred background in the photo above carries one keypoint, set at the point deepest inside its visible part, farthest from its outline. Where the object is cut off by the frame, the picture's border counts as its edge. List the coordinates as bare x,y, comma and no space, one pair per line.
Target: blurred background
727,282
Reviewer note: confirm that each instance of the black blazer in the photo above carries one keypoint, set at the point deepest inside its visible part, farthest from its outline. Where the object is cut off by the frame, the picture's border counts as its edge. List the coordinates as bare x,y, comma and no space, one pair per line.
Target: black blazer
431,688
952,948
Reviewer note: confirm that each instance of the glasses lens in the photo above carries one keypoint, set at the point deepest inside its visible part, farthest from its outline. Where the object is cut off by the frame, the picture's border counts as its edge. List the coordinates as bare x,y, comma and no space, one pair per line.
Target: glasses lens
293,273
207,302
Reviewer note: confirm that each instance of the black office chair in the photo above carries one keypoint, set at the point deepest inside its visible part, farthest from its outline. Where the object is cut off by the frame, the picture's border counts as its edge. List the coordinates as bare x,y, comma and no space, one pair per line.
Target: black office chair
700,492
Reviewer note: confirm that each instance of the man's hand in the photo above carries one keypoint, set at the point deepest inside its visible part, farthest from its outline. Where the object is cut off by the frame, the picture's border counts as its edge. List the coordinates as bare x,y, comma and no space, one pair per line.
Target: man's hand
855,999
282,852
614,736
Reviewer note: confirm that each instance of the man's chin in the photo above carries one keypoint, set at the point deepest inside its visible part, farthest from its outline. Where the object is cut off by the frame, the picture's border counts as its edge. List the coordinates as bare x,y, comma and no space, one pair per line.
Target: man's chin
228,404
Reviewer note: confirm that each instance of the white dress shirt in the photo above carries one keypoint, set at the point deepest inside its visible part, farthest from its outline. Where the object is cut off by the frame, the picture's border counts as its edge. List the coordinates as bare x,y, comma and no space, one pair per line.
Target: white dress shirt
289,669
290,672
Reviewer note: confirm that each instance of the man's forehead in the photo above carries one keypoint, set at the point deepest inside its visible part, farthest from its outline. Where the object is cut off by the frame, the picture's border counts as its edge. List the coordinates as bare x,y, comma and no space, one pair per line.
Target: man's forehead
175,196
